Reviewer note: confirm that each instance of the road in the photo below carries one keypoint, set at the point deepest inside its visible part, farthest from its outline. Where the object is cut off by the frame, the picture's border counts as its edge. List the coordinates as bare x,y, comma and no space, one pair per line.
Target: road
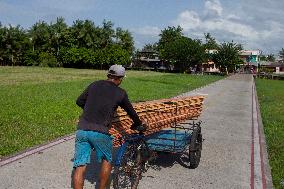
233,156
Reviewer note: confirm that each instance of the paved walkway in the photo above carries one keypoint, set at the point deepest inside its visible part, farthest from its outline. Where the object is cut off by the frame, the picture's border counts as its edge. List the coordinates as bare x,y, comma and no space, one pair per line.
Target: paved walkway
233,155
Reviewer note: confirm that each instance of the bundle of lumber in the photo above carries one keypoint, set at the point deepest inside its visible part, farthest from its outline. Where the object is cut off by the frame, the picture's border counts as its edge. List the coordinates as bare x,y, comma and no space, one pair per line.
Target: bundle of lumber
158,114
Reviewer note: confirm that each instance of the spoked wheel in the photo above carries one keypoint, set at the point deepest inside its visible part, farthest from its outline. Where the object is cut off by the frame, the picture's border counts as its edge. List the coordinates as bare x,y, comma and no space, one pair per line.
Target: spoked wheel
190,157
128,174
195,148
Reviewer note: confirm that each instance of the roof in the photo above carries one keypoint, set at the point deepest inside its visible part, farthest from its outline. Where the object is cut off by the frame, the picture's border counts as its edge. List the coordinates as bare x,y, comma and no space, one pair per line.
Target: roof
273,65
148,51
149,59
250,52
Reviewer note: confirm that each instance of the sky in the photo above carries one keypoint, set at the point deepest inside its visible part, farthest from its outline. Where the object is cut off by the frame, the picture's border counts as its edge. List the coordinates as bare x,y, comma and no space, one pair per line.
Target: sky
256,24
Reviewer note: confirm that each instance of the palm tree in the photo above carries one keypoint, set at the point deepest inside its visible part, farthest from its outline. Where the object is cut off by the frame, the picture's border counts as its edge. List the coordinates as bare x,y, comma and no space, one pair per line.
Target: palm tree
58,32
124,39
14,42
39,35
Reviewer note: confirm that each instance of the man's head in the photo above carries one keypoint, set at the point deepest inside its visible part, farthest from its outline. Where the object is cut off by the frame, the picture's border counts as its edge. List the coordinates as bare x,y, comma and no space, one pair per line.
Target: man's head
116,73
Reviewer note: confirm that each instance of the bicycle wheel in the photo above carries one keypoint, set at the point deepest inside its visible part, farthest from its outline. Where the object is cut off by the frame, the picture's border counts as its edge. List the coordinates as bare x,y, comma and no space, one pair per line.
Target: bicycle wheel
128,174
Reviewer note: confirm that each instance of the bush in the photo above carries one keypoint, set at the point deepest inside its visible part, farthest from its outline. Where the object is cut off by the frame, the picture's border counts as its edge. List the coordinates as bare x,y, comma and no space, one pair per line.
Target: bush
87,58
75,57
31,58
117,55
47,60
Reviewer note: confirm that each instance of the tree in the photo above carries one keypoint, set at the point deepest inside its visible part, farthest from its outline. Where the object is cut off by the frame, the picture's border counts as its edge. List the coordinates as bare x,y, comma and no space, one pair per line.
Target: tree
227,56
13,44
39,35
270,58
59,35
281,54
124,39
210,42
150,47
84,34
118,55
184,53
105,34
167,36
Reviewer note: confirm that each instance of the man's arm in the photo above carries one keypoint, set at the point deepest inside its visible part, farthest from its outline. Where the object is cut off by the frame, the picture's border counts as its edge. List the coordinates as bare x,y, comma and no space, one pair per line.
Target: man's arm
127,106
81,100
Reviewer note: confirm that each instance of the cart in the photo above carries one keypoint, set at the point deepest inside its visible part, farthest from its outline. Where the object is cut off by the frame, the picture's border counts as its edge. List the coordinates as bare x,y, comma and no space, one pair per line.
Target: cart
184,139
137,150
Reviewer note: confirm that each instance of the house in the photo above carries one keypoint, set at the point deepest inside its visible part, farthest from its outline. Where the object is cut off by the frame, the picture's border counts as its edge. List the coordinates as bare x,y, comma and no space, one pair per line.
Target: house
210,66
149,60
251,59
276,68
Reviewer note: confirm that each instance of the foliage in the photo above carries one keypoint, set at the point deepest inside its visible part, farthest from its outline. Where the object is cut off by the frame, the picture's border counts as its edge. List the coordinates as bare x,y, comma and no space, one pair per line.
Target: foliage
227,56
184,53
151,47
43,40
124,40
167,36
270,58
13,44
281,53
31,58
118,55
210,42
47,60
86,58
76,57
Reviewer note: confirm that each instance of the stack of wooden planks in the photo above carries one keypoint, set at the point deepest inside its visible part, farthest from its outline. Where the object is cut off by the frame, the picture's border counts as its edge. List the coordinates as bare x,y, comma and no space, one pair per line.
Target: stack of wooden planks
157,114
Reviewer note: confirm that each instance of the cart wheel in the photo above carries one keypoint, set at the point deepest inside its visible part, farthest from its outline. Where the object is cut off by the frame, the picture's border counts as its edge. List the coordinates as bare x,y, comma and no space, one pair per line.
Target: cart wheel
195,148
128,174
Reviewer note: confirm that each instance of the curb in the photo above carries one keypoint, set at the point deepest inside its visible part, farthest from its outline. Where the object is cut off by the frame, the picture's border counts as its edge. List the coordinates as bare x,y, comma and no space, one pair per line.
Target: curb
267,169
34,150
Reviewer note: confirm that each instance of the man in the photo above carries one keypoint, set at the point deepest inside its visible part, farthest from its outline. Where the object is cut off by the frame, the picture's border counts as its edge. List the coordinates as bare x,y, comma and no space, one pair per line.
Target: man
99,102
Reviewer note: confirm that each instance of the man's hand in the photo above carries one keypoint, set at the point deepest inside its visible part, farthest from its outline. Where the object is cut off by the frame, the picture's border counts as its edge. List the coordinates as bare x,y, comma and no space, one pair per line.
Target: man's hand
141,128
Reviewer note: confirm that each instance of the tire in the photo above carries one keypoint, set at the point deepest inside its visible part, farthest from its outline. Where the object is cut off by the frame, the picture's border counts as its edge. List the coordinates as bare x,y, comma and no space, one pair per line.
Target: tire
195,148
129,173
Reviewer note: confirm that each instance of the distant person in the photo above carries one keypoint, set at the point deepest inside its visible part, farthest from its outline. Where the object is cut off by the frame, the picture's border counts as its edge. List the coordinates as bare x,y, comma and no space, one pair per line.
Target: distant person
99,102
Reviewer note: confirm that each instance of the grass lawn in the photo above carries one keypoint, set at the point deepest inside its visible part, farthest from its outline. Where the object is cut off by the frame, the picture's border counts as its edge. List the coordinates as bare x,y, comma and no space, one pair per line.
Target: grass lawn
38,104
271,98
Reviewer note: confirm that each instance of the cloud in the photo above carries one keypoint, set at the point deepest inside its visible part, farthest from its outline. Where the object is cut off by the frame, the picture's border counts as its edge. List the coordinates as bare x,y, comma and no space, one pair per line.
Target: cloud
247,26
213,8
148,30
30,11
188,20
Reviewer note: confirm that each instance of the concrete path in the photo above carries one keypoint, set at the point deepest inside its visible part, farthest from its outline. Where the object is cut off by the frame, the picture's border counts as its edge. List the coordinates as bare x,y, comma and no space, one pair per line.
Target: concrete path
233,155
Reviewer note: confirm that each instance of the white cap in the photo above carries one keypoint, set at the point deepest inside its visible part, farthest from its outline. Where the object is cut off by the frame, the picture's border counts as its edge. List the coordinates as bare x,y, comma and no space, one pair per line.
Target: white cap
116,70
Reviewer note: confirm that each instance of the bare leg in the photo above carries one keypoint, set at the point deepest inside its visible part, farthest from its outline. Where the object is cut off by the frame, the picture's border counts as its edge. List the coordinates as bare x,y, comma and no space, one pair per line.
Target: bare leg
78,177
104,174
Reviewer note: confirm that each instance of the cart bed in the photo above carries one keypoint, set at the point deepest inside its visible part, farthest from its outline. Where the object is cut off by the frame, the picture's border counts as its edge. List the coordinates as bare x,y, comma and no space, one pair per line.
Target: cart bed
168,141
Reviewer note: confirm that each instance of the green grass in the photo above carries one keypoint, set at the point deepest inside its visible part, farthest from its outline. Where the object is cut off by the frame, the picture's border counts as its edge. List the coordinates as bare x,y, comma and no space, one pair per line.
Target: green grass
271,98
38,104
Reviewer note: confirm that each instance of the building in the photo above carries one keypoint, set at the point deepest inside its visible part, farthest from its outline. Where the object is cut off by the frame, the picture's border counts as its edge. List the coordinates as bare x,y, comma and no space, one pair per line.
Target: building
210,66
149,60
276,68
251,59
